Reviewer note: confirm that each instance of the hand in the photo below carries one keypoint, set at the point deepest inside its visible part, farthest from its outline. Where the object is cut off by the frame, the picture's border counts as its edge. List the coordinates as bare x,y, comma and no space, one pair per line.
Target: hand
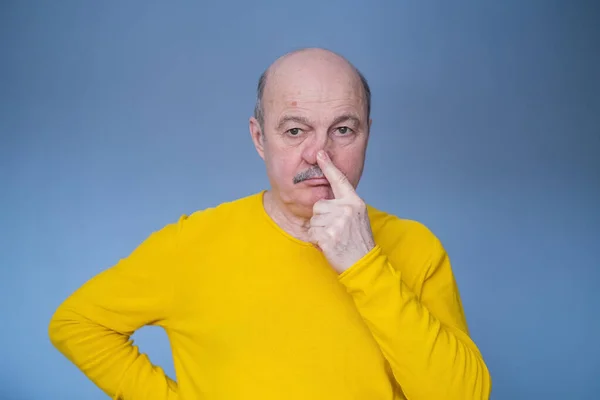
340,227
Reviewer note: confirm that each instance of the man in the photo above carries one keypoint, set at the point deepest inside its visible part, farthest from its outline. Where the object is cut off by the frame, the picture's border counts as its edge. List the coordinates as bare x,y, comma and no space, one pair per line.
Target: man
298,292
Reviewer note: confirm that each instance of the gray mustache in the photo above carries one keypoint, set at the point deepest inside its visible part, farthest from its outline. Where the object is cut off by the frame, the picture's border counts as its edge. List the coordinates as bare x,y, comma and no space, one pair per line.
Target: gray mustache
313,172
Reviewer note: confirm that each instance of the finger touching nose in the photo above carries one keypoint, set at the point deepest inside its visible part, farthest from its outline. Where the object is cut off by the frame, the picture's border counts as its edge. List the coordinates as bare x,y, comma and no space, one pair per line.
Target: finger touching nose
313,147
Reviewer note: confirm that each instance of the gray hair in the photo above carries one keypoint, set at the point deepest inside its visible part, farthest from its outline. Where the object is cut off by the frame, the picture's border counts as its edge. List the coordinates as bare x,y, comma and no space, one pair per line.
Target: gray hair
259,112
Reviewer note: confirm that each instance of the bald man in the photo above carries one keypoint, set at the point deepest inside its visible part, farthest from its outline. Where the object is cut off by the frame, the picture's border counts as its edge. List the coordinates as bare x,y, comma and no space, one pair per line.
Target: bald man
298,292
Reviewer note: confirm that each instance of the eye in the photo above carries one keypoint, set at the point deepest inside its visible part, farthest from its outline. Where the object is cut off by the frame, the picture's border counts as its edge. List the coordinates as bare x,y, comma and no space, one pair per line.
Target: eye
294,131
344,130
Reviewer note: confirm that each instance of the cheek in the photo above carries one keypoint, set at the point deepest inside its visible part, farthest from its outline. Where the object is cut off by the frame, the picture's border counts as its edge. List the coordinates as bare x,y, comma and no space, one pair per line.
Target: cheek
350,163
282,166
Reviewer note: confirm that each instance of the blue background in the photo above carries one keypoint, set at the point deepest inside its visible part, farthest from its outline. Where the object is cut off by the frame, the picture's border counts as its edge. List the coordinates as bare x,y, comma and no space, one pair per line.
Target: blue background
115,118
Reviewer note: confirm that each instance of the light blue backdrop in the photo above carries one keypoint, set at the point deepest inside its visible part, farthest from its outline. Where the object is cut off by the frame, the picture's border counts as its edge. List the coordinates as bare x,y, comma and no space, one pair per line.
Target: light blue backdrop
115,118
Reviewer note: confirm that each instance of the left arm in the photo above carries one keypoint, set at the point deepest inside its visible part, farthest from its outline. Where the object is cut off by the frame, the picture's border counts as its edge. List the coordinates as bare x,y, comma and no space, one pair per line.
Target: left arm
425,339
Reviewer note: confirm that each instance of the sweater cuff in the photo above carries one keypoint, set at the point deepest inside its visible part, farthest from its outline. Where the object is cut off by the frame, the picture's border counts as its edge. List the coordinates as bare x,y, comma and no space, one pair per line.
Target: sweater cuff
366,272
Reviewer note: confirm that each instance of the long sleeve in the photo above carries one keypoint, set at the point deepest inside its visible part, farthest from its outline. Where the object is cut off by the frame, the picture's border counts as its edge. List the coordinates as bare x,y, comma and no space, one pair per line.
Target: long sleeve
424,337
92,327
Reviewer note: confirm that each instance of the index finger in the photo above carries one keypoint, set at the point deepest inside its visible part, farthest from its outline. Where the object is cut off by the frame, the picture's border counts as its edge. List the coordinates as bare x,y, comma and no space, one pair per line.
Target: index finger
340,184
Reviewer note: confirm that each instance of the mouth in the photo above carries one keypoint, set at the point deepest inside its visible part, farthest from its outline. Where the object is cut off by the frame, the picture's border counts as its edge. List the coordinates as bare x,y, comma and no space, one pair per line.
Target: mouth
317,181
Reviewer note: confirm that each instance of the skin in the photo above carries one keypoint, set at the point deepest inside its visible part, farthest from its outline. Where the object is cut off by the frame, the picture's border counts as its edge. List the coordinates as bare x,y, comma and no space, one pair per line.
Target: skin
314,104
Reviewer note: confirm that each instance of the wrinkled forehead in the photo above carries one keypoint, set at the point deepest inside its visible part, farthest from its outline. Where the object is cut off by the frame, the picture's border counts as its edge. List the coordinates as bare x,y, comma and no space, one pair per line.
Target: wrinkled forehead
327,86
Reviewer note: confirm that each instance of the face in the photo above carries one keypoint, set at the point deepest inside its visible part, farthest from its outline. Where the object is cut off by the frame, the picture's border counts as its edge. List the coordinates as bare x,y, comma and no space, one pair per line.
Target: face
307,110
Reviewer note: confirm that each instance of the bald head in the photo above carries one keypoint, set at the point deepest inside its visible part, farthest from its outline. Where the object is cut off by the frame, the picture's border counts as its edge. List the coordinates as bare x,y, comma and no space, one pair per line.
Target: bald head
310,101
302,65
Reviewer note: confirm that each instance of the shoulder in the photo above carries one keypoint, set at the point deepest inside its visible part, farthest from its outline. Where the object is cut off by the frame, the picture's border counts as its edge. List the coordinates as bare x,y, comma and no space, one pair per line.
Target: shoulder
410,245
227,211
210,221
390,229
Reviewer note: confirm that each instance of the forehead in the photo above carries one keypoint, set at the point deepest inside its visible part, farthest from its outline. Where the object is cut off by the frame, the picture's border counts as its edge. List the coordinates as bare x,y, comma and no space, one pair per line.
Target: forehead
324,87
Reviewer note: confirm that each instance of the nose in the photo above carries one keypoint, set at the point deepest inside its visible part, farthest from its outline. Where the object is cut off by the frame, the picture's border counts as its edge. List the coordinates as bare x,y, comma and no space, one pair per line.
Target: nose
317,141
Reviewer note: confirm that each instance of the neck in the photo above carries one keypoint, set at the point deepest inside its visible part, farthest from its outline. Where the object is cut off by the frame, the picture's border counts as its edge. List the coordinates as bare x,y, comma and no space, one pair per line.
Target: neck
295,225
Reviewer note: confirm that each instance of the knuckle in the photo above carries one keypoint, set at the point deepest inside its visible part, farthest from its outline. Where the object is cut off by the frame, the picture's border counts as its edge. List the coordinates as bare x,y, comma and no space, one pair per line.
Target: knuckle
332,232
347,210
359,203
317,206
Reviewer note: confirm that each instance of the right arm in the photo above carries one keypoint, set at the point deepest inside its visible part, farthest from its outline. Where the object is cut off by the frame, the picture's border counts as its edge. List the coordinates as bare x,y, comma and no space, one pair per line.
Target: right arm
92,327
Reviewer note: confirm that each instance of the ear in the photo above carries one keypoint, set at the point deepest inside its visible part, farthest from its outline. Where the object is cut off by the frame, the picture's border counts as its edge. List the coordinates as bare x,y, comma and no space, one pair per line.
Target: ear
257,137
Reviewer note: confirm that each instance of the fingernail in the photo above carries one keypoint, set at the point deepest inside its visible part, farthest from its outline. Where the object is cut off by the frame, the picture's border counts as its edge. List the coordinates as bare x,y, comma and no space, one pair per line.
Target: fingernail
321,154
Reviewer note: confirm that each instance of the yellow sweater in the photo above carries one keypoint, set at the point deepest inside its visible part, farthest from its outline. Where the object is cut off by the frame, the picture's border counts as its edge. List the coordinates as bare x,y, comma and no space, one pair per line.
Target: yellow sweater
253,313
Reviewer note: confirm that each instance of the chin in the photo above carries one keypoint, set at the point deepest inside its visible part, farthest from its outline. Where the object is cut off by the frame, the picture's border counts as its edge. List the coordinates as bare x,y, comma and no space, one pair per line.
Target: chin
302,199
321,192
311,194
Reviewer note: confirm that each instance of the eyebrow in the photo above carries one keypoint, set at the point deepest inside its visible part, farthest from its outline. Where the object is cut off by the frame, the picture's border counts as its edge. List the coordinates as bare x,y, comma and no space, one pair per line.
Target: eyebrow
292,118
305,121
347,117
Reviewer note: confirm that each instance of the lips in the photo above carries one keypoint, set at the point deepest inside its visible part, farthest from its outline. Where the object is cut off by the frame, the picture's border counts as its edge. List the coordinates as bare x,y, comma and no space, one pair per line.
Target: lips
317,181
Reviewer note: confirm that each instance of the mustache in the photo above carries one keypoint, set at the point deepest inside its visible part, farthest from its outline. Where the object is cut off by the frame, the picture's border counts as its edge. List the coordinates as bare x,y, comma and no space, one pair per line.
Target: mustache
312,172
